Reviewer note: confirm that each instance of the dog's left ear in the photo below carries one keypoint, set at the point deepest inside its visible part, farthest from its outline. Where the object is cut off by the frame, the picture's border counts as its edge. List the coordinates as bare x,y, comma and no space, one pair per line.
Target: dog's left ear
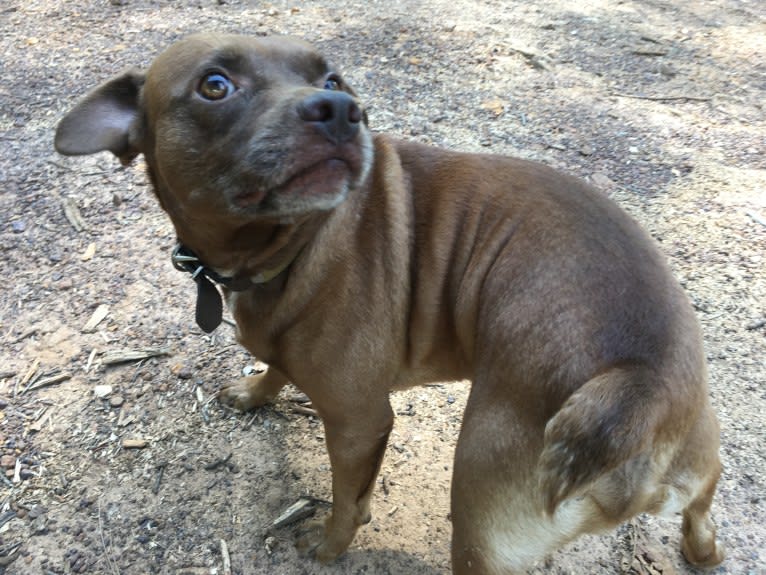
108,119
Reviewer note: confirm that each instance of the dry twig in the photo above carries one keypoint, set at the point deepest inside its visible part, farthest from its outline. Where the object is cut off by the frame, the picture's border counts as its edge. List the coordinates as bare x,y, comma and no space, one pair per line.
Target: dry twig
757,218
226,558
124,355
663,98
136,443
304,410
52,380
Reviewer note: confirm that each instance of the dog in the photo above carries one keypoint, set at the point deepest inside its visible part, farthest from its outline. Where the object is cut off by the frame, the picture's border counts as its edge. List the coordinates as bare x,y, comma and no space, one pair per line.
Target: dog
355,264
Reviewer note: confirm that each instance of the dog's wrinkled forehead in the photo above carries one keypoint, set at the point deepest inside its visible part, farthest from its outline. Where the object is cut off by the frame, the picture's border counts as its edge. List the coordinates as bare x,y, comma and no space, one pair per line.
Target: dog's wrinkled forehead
177,69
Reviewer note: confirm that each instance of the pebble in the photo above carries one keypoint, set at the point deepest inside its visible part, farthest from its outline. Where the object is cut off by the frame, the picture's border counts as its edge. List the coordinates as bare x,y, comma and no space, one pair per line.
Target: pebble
37,511
185,373
65,284
19,226
102,391
116,400
8,461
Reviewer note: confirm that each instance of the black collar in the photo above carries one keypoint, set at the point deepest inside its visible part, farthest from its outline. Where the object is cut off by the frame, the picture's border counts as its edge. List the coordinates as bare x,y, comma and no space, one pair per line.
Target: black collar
186,260
209,309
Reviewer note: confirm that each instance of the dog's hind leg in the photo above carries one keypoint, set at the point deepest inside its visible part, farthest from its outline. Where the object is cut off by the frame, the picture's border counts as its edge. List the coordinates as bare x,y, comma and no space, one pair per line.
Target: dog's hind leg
699,460
699,544
498,517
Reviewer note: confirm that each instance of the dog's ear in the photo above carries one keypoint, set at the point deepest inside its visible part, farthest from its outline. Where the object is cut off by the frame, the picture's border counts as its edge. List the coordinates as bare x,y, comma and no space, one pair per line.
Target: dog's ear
108,119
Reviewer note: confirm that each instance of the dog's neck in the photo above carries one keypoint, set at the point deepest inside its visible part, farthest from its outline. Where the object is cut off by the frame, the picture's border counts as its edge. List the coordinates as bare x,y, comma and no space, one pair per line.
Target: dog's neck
241,259
209,307
184,259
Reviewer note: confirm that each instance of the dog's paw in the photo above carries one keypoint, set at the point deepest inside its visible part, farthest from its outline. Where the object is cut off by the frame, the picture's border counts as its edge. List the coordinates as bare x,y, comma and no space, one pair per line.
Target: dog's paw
248,392
712,558
324,544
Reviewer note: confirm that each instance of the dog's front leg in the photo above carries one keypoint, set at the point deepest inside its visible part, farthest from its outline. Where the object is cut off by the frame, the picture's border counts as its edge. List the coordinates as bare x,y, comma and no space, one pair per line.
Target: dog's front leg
356,441
253,391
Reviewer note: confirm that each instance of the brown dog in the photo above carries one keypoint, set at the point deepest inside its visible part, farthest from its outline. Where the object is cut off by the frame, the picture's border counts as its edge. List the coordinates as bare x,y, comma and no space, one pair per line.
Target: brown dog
355,264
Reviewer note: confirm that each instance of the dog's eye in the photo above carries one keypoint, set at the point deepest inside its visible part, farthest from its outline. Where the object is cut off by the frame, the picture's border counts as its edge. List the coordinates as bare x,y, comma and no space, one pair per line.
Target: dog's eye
332,83
215,87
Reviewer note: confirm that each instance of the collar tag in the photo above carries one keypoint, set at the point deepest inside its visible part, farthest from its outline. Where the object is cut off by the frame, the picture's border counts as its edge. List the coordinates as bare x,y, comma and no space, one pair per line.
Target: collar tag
209,308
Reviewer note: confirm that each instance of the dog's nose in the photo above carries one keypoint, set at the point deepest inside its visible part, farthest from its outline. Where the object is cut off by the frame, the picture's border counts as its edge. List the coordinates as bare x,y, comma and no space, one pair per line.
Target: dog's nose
334,114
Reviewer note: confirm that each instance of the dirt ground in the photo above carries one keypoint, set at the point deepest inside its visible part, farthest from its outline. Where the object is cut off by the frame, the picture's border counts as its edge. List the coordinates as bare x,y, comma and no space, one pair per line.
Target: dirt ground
659,103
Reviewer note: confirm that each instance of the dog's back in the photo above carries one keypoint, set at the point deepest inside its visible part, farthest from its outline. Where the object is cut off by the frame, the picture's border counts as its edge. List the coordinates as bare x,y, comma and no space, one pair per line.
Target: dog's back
589,382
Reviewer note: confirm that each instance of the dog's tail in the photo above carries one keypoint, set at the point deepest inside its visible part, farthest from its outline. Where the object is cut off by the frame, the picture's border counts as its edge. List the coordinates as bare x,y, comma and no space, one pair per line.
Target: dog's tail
607,421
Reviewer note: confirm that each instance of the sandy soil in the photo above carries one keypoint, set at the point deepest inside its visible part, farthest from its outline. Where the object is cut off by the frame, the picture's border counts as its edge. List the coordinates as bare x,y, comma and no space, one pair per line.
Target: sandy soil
660,103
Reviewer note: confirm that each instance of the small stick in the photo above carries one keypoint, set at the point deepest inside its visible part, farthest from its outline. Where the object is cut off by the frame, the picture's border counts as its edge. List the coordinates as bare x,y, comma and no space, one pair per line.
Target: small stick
91,357
661,98
27,377
10,554
123,355
52,380
250,422
650,52
6,517
30,373
226,558
31,331
304,410
38,424
757,218
158,481
134,443
217,463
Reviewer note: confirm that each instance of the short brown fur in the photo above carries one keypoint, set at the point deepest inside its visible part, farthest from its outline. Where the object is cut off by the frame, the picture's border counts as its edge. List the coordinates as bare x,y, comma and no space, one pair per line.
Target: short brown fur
399,264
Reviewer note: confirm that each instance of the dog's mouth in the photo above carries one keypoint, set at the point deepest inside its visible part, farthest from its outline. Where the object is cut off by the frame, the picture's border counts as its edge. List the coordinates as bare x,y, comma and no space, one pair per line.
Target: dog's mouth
322,179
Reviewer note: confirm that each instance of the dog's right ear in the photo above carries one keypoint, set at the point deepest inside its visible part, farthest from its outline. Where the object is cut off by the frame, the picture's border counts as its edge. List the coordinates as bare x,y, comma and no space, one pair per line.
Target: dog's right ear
108,119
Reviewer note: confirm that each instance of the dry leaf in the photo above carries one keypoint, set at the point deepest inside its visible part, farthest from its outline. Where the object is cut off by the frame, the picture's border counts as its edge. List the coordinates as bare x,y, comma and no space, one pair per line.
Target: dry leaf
72,213
89,252
496,106
98,316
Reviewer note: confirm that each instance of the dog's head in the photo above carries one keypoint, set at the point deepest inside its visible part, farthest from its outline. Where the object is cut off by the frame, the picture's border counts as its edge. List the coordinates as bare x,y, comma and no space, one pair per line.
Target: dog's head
233,129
